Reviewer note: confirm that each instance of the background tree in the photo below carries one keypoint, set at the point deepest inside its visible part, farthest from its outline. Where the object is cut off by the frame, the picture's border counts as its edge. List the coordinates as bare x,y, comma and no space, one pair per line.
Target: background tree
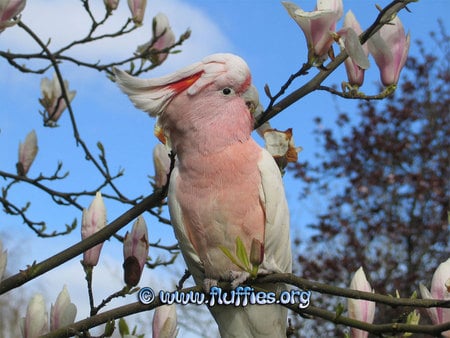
385,170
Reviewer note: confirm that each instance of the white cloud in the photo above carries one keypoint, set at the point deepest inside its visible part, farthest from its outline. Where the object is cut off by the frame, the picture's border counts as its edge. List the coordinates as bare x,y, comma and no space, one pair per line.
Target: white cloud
65,21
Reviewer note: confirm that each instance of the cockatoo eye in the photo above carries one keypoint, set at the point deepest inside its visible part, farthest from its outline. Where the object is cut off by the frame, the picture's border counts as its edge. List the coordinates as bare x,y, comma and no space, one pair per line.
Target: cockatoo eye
227,91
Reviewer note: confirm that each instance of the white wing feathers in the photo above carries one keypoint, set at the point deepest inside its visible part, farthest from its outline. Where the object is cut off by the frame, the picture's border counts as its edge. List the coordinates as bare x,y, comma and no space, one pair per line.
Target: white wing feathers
277,246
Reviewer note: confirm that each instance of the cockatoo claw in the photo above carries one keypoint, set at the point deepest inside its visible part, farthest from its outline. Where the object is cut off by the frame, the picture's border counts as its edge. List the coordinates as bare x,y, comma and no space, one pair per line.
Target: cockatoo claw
263,272
238,277
208,283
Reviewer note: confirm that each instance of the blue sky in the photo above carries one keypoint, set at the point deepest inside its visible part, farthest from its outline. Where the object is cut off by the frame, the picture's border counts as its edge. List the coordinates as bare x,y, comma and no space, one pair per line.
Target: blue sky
259,31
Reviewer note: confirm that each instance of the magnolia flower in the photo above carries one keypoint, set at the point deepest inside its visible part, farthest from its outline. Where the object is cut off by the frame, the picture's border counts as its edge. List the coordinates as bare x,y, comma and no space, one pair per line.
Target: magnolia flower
357,61
165,322
111,4
94,219
35,322
63,312
52,100
163,37
135,252
280,144
389,47
8,10
318,26
137,8
3,260
161,162
360,309
27,153
440,289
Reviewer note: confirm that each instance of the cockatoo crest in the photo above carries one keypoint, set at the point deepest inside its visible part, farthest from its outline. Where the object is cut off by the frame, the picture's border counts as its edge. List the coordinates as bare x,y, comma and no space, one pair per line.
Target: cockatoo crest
153,95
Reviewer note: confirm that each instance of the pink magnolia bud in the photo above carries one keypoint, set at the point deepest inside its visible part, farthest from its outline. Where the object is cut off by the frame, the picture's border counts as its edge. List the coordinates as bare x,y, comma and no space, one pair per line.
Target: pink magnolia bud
256,252
52,99
94,219
8,10
35,322
440,289
357,61
27,153
135,252
360,309
137,8
389,47
63,312
163,37
111,4
3,260
165,322
161,162
317,26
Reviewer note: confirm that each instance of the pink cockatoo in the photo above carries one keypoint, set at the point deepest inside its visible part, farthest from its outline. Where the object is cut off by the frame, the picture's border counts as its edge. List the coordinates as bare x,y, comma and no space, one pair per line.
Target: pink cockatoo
224,185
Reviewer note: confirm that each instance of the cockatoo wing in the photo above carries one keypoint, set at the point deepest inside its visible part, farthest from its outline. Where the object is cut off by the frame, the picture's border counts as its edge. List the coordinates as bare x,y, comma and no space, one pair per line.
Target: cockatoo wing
277,246
252,320
264,321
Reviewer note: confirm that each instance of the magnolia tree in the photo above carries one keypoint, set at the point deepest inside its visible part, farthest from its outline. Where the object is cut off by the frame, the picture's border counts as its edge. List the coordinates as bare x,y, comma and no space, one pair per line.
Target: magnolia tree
385,40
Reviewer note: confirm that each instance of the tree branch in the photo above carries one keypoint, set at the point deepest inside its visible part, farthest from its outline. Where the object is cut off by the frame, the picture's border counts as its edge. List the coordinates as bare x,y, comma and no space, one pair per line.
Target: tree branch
384,17
37,269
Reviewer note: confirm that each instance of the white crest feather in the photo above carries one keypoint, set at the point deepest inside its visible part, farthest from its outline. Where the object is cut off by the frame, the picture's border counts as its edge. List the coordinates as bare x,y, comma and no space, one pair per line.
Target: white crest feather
153,95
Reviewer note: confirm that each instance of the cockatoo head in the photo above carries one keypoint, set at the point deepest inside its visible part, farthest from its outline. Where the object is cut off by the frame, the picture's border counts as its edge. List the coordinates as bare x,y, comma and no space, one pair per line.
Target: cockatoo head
213,91
154,95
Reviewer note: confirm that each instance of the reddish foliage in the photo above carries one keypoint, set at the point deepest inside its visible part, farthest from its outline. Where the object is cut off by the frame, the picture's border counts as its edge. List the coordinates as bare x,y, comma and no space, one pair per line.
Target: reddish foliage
392,170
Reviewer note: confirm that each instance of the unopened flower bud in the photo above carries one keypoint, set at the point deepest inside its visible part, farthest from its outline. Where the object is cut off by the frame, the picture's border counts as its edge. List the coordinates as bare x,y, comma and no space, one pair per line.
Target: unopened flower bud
135,252
256,252
389,47
27,153
440,289
111,5
357,61
360,309
94,219
8,10
164,323
63,312
137,8
163,38
35,322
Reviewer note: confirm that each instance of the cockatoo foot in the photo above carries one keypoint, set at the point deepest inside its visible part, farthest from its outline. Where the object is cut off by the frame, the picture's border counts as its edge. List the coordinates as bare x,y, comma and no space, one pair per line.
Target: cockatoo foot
208,283
263,271
238,277
268,267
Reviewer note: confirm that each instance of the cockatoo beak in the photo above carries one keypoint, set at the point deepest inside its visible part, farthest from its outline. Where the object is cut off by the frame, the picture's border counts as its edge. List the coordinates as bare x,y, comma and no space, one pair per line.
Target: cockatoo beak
251,98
